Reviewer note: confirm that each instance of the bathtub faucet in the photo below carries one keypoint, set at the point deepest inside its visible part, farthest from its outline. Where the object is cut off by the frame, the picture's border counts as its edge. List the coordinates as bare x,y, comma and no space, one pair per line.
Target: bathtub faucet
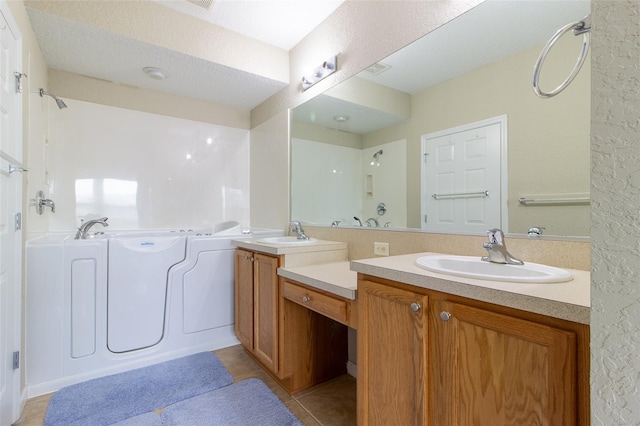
84,228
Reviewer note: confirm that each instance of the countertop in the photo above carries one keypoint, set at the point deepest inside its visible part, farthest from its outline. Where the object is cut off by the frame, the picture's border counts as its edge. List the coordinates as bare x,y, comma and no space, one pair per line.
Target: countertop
278,249
569,300
336,278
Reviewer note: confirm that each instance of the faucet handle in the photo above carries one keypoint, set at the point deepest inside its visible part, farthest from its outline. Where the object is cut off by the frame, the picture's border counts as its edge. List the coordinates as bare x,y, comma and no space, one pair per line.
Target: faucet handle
496,236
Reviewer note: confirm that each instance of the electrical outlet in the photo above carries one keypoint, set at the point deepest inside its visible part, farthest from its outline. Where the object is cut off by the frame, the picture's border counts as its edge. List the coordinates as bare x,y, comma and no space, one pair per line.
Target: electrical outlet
381,249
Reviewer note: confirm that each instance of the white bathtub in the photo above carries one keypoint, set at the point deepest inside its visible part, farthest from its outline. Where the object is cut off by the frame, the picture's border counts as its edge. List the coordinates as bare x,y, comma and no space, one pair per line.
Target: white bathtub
125,299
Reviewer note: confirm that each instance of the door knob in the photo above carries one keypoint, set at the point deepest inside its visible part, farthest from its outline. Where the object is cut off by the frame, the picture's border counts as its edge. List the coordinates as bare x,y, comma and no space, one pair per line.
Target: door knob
415,307
445,316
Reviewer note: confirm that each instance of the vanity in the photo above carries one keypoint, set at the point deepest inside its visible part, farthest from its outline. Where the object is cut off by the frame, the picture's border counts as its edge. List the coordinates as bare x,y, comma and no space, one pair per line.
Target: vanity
295,324
432,348
443,350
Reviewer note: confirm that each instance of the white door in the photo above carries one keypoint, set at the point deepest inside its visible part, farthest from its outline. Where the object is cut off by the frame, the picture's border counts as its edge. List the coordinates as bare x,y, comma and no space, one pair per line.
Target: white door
462,180
10,207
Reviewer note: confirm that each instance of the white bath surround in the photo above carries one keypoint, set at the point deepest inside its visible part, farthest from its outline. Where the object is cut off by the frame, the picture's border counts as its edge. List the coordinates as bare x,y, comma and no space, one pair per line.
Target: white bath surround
144,170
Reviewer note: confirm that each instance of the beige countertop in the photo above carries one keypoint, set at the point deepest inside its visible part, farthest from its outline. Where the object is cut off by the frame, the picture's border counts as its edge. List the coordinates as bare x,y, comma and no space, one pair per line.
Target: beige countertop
334,278
569,300
278,249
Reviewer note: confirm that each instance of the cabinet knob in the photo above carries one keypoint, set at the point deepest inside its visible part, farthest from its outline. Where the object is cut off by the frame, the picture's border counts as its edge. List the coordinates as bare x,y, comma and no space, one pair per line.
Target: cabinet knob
305,299
445,316
415,307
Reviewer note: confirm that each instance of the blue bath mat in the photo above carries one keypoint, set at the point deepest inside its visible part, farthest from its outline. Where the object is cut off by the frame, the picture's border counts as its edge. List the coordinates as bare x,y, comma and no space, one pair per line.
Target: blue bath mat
115,398
249,402
146,419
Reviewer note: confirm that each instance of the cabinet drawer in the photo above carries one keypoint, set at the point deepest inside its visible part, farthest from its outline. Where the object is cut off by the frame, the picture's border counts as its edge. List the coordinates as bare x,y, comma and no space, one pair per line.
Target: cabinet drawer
326,305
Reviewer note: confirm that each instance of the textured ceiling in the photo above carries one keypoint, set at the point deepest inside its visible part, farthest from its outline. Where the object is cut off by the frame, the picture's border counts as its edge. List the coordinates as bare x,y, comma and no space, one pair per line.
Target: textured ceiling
243,45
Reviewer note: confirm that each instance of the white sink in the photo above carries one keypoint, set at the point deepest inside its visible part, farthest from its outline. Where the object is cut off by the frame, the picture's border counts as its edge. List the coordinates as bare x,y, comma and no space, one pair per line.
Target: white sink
473,267
291,241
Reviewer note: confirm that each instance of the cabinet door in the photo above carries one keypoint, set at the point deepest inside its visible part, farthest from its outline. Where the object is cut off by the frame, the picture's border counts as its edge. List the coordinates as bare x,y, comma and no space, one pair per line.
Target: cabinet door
392,338
265,287
493,369
244,297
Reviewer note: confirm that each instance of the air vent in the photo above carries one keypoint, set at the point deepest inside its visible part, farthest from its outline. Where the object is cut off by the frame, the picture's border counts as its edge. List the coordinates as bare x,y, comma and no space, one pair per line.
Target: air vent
378,68
205,4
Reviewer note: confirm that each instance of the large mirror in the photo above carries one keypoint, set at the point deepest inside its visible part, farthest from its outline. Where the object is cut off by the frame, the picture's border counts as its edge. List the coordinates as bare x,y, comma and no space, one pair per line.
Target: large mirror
385,148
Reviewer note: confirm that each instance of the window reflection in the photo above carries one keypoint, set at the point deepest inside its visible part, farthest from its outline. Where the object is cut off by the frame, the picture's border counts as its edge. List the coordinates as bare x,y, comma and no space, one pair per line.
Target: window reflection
114,198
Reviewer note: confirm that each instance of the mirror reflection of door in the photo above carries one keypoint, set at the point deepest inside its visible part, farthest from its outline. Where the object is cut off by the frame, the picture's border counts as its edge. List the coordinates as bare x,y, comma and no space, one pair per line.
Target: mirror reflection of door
462,177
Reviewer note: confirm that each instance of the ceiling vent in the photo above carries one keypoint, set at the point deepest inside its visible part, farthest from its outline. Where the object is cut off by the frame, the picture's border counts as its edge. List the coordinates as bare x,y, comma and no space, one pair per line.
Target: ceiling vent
378,68
205,4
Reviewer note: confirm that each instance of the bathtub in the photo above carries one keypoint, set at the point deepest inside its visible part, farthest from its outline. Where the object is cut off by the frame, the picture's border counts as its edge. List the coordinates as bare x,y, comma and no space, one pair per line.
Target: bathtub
126,299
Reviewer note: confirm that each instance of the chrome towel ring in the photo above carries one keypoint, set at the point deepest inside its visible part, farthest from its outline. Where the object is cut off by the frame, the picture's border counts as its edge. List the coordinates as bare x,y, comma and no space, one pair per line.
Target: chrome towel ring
581,27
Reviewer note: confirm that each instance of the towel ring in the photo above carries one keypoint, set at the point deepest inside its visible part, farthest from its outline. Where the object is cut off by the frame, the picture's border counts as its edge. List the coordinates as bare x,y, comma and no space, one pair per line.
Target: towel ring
581,27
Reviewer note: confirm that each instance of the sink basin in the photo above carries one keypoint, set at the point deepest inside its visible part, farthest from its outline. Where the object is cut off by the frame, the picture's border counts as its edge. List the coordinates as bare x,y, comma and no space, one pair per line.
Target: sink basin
473,267
291,241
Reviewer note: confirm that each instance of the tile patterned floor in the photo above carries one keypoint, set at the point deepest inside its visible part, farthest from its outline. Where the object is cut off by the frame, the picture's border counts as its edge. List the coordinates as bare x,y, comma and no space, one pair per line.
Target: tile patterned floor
330,404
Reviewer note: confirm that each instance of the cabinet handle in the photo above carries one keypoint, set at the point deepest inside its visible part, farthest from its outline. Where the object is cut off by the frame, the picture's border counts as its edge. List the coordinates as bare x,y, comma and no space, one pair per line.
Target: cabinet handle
305,299
445,316
415,307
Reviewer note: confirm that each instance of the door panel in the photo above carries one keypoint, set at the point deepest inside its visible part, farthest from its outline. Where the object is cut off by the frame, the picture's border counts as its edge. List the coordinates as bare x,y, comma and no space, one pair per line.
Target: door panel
392,356
10,206
496,369
462,178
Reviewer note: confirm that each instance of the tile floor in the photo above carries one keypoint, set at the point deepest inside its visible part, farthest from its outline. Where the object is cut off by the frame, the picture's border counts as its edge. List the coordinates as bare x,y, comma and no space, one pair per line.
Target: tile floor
330,404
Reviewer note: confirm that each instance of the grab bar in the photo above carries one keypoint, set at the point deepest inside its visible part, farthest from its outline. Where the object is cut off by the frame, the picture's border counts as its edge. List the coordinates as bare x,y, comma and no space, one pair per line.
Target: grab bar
461,195
581,27
553,201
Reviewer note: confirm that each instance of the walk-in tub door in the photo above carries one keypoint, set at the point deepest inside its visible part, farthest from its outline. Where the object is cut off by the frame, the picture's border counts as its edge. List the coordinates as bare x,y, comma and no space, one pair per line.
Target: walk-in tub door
137,294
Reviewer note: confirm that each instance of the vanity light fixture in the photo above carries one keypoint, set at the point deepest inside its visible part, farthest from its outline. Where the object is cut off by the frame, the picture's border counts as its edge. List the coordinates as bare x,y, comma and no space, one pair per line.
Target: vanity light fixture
376,158
327,68
155,73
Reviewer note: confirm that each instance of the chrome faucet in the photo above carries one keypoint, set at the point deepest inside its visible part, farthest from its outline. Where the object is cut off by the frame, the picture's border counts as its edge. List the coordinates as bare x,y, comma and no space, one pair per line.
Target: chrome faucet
497,249
84,228
535,232
297,228
374,221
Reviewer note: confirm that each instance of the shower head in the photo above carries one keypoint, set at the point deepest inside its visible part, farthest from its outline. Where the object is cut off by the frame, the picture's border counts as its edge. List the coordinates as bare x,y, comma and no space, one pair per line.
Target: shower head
59,101
376,158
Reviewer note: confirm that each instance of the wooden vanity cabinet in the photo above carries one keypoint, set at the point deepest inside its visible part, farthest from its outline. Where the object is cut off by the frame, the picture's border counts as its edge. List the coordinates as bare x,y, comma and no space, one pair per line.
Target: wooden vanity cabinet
392,355
299,334
313,338
457,361
256,305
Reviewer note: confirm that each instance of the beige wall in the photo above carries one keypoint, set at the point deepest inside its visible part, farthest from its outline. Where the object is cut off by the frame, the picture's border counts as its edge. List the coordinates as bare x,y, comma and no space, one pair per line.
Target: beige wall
269,180
615,229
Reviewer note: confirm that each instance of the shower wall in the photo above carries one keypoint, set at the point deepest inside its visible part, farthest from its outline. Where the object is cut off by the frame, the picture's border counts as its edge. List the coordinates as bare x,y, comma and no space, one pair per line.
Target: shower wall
143,170
335,183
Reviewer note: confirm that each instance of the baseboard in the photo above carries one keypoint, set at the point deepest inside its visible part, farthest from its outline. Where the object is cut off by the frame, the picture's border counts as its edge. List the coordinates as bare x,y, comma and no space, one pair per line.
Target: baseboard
352,369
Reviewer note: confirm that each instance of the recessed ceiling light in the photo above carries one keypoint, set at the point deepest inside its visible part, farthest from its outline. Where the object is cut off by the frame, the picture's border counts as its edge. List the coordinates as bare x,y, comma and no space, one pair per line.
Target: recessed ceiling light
155,73
341,118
